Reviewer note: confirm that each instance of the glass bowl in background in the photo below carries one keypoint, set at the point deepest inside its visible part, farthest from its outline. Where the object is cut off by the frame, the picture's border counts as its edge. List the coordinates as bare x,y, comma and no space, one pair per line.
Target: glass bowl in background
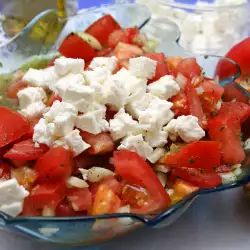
95,229
207,27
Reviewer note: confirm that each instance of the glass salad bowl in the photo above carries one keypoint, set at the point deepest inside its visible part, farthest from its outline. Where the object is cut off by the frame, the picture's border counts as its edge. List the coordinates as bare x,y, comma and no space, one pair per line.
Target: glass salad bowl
90,230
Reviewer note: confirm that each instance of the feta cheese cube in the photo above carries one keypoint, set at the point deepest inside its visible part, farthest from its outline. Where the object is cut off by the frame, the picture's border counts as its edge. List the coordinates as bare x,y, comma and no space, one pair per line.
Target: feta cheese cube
70,79
93,121
72,141
142,67
64,123
65,65
164,88
136,144
34,110
123,125
41,78
98,89
59,107
80,96
157,114
136,107
99,75
110,63
12,209
156,155
29,96
187,127
156,138
115,93
43,133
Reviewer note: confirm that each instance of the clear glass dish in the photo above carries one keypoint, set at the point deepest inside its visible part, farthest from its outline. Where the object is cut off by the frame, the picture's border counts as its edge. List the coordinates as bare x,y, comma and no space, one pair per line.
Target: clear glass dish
95,229
208,27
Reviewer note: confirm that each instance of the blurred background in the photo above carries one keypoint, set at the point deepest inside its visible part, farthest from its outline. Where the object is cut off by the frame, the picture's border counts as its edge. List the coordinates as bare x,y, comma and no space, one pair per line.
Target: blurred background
207,26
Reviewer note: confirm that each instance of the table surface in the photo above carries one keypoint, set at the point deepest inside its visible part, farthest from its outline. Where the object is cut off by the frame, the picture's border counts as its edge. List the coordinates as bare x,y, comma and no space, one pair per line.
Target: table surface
214,222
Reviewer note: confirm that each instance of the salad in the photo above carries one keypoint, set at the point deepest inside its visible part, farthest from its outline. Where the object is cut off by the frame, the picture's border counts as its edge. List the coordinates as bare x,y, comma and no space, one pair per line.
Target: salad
110,126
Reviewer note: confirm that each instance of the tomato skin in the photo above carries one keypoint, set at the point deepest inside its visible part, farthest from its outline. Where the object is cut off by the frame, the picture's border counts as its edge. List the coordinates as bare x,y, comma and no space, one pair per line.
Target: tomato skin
100,144
44,195
83,160
53,98
195,177
12,125
201,155
26,150
134,169
15,87
64,209
231,92
225,130
188,67
173,62
162,67
79,198
239,109
102,28
75,47
124,51
180,104
123,35
106,201
195,105
54,165
5,171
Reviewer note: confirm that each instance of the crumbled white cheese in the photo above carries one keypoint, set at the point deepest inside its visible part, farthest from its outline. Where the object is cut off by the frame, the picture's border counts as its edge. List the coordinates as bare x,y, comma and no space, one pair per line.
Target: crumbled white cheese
34,110
164,88
109,63
99,75
156,138
142,67
72,141
77,182
187,127
123,125
65,65
136,144
156,155
30,95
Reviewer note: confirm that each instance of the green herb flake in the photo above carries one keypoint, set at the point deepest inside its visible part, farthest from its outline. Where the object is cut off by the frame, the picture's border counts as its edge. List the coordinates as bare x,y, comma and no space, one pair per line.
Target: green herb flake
62,165
222,128
206,57
191,160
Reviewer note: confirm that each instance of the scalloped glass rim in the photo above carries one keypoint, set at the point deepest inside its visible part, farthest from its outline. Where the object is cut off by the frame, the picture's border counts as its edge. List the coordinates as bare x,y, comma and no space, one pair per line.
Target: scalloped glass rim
150,219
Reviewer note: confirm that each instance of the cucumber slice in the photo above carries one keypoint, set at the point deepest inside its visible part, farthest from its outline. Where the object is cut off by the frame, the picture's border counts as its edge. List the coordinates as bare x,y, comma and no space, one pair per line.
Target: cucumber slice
92,41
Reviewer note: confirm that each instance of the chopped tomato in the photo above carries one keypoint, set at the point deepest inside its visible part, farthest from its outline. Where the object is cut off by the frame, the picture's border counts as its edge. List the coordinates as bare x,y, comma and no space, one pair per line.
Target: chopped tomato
15,87
80,199
64,209
54,165
180,104
5,171
134,169
211,95
110,182
162,68
104,52
135,196
233,93
226,131
173,61
183,188
12,126
106,201
102,28
75,47
223,169
83,160
195,105
123,35
26,150
25,176
53,98
124,51
100,144
197,177
201,154
188,67
47,195
239,109
110,113
19,163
